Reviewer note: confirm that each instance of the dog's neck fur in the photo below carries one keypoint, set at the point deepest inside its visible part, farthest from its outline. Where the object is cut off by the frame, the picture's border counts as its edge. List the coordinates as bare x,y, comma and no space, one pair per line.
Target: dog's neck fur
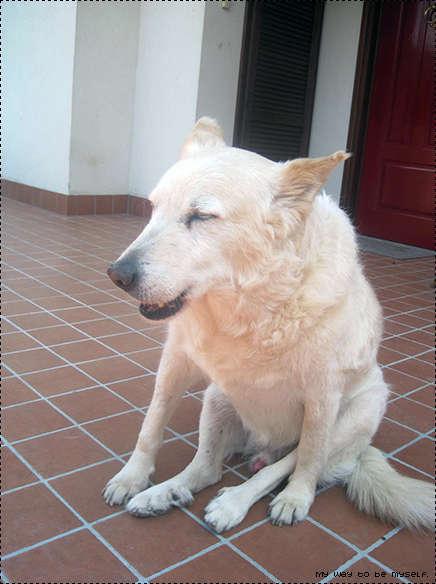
255,309
282,296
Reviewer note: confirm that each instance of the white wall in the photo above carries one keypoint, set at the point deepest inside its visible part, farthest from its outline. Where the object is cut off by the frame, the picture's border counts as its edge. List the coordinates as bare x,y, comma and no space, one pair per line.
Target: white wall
142,74
103,96
219,68
334,86
37,92
167,76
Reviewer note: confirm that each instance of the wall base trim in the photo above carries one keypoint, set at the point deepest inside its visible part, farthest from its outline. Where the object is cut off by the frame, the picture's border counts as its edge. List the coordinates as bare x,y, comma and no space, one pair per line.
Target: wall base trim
76,204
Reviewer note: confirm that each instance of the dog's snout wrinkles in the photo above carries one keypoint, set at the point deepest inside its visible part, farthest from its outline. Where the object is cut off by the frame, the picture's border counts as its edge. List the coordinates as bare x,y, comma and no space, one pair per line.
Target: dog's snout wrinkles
122,273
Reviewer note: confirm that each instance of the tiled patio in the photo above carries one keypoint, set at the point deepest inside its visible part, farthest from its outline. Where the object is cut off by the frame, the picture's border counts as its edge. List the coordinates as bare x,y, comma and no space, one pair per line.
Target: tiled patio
78,372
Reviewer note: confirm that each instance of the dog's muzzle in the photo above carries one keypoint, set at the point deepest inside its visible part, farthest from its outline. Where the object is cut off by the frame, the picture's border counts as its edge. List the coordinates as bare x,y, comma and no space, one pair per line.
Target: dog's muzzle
164,309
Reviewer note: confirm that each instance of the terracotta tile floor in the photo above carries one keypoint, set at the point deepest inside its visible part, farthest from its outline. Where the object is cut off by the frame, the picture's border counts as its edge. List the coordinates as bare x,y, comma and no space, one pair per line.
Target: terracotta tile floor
78,367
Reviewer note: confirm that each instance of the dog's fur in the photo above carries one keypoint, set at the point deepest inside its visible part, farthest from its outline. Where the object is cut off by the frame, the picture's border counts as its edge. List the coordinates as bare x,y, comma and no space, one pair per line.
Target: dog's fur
278,314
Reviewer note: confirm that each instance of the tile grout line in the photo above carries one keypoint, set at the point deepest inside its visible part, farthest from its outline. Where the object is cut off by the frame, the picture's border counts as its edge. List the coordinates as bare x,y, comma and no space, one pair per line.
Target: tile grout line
407,394
71,391
406,426
42,310
186,560
229,544
365,553
197,520
63,273
74,422
83,468
96,381
393,266
64,322
135,331
93,464
410,312
94,360
127,356
86,321
78,516
60,475
4,578
59,256
319,525
180,436
425,381
391,401
151,328
191,444
411,467
75,341
399,361
393,453
392,317
71,419
72,426
42,543
126,301
100,384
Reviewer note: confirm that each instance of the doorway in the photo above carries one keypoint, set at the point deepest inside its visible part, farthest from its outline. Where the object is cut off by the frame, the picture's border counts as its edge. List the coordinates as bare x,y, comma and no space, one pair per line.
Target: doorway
395,191
277,80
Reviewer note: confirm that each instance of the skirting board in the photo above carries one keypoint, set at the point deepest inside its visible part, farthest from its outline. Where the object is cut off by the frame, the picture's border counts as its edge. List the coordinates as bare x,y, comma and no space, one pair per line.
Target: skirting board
76,204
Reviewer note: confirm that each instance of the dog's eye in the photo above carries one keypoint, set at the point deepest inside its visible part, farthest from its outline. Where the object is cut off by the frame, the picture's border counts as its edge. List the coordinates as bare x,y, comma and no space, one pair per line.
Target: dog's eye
197,216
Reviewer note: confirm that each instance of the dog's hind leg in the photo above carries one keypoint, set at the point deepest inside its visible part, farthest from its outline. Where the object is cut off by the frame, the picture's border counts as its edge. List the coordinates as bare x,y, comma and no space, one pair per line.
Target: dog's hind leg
356,424
233,503
352,435
221,434
371,483
355,429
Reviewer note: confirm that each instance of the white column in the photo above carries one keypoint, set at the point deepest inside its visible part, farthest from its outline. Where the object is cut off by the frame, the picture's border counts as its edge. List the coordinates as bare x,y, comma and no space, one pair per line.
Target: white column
334,84
220,59
103,97
38,59
167,76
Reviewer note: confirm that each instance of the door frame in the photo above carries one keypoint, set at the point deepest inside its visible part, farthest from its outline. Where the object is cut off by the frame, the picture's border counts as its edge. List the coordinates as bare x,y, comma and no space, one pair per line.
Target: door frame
250,41
360,104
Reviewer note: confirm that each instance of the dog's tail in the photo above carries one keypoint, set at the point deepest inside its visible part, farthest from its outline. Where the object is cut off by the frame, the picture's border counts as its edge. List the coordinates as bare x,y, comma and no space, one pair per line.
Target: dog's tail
378,489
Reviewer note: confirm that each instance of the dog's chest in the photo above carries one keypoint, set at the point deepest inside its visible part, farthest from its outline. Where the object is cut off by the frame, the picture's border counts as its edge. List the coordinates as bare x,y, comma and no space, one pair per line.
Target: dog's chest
264,390
272,412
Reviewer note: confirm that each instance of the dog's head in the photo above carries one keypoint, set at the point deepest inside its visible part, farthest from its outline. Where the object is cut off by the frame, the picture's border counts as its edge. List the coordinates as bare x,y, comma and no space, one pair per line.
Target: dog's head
214,214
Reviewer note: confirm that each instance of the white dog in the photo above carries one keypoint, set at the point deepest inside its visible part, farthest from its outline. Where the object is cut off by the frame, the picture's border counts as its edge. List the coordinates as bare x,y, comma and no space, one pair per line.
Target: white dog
261,277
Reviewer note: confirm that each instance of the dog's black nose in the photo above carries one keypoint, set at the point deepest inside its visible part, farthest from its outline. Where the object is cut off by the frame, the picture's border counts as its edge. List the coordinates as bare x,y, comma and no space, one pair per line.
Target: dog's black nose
122,273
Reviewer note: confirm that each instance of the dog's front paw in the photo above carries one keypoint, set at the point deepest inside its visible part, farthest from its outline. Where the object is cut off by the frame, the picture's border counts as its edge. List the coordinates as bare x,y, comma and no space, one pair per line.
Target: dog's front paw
124,485
290,506
226,510
158,500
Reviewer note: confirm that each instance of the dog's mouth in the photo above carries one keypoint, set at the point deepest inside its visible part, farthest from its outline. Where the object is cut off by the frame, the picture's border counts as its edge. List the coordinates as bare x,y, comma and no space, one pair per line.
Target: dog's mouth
163,310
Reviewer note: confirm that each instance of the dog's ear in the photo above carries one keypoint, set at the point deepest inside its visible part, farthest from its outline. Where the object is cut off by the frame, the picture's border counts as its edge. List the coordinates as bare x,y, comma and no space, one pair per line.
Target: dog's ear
302,178
205,134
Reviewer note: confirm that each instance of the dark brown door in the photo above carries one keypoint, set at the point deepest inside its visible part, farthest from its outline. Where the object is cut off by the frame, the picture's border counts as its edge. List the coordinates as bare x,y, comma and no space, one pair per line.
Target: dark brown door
396,191
277,80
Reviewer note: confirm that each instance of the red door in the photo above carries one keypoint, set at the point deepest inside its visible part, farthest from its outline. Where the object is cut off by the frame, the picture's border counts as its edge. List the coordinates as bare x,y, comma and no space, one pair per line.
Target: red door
396,191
